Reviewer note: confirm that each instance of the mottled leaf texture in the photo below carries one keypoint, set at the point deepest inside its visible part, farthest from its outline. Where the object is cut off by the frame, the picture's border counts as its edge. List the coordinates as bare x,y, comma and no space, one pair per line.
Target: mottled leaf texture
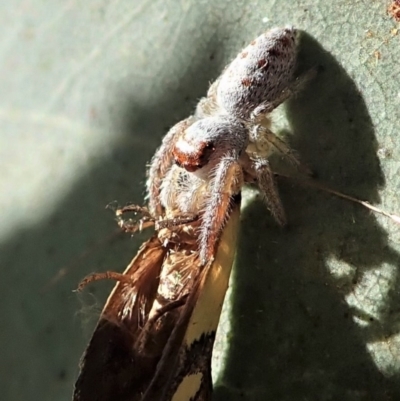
88,88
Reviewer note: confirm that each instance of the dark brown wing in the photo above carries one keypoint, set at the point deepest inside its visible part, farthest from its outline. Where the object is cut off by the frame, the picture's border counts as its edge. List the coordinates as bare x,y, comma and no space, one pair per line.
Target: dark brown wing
110,367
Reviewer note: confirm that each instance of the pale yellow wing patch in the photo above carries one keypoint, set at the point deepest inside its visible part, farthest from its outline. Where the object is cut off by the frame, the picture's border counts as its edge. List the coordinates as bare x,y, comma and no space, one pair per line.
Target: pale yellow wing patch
206,313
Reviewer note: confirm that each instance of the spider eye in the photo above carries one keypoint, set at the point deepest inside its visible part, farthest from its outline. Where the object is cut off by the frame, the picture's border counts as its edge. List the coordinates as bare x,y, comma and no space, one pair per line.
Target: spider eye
192,157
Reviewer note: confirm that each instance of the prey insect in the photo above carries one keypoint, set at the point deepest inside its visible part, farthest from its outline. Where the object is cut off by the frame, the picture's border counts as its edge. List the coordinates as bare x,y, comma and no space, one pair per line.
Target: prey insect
155,335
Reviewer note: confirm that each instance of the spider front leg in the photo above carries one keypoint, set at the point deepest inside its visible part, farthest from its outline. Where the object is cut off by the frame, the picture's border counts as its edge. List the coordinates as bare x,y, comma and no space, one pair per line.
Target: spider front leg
209,152
227,182
160,164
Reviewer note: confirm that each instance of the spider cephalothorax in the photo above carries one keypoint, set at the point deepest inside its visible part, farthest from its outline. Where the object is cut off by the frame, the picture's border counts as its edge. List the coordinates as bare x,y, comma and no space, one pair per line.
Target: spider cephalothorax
205,160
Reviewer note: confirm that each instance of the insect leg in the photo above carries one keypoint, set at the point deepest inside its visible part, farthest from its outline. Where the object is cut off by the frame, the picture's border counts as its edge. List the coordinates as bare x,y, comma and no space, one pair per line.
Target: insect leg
108,275
176,221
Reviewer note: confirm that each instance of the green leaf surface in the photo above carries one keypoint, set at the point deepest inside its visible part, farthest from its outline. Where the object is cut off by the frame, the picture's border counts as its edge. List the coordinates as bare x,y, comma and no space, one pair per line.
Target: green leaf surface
88,89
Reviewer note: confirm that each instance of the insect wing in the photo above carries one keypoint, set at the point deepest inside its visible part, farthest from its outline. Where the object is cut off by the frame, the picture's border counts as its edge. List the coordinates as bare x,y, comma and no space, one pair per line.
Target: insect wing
154,340
110,367
184,372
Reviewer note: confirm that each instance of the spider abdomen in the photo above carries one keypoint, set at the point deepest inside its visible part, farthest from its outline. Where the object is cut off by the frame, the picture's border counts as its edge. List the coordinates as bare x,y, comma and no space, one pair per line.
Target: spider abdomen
258,73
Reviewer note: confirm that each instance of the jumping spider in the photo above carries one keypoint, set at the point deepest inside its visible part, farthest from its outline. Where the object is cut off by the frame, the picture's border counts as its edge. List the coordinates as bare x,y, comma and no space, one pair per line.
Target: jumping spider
205,160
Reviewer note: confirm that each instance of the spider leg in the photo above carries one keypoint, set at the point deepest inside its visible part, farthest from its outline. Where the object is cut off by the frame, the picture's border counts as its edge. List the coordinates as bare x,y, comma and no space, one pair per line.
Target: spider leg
208,106
291,90
226,183
160,164
264,177
264,139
